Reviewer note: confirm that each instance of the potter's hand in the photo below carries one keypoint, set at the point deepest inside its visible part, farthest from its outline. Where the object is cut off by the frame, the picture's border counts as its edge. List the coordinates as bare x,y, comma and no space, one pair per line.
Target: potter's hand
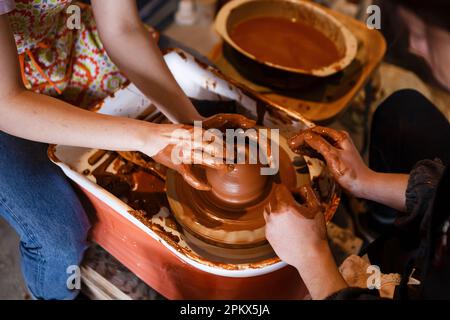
297,233
225,121
292,228
340,154
348,168
176,147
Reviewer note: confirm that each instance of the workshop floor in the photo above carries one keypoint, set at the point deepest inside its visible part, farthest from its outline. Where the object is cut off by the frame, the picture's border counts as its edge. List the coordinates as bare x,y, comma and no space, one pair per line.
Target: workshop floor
389,79
12,285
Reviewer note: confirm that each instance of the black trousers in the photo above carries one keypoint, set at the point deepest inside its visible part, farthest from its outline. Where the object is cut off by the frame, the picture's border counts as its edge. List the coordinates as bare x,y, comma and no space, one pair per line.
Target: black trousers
406,128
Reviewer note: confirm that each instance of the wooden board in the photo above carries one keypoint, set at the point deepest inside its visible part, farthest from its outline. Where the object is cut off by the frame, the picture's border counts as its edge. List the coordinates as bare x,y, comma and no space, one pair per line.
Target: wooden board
105,278
321,102
96,287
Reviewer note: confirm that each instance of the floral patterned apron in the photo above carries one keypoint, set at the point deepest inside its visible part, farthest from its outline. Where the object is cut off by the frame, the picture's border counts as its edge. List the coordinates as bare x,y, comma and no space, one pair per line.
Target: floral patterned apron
69,64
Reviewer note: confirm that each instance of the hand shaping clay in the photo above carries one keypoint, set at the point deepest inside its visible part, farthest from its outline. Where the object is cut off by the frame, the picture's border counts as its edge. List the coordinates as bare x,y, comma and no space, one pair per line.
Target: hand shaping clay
231,213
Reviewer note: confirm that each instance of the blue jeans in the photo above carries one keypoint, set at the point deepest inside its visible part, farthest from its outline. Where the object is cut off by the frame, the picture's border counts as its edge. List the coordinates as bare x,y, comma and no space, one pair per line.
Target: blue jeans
39,203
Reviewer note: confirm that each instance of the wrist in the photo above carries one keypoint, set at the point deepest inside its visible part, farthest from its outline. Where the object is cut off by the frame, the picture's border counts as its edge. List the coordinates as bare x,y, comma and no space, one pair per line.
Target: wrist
197,117
143,134
186,112
320,273
313,253
388,189
365,183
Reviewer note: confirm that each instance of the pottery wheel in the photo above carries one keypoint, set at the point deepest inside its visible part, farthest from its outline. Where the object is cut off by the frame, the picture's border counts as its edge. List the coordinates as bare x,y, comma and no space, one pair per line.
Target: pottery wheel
222,225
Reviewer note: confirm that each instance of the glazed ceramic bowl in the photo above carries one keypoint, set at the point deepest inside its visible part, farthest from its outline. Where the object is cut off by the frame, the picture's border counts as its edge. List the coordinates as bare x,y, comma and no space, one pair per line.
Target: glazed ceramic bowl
240,10
272,74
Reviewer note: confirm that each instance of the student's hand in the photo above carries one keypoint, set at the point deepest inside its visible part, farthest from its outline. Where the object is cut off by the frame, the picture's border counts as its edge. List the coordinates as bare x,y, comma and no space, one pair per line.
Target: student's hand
176,147
297,233
223,121
294,229
340,154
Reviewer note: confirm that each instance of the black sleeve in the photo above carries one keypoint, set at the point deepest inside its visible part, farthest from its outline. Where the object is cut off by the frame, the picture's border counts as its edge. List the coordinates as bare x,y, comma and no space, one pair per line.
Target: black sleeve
420,194
427,208
355,294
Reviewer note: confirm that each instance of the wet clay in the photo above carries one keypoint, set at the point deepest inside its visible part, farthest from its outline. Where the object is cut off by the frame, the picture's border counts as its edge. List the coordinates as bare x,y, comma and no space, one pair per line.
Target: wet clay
241,186
140,189
286,43
231,214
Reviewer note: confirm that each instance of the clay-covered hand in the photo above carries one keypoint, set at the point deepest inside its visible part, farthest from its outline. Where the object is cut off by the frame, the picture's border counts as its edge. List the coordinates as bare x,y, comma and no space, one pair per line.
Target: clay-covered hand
295,228
340,154
225,121
297,233
176,147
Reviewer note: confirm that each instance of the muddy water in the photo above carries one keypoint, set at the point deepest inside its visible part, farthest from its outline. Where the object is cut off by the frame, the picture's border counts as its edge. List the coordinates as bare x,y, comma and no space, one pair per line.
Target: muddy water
284,42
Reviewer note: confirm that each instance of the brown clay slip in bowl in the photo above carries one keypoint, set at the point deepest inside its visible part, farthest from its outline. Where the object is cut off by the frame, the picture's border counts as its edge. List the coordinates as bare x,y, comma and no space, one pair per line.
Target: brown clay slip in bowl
277,75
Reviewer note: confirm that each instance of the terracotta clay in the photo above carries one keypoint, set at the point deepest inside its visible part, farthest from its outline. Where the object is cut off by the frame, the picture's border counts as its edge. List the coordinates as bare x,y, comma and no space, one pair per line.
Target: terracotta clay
135,184
231,214
225,121
189,172
242,185
322,138
143,161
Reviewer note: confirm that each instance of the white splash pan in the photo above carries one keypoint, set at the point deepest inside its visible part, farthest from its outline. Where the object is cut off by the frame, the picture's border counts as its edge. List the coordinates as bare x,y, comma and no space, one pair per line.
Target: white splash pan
197,81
